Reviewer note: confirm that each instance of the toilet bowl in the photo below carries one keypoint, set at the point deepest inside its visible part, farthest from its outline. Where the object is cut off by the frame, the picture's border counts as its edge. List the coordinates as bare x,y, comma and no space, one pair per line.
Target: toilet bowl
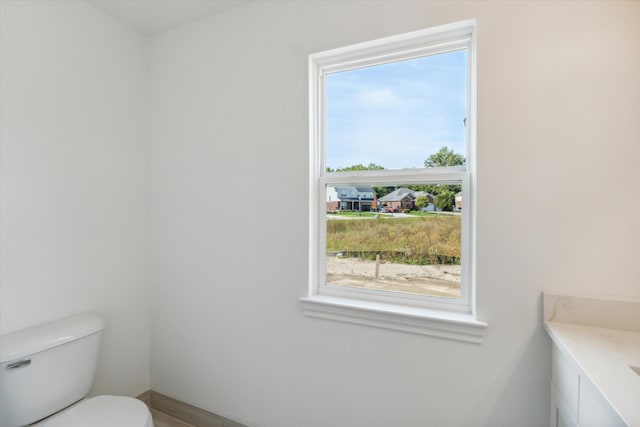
47,371
101,411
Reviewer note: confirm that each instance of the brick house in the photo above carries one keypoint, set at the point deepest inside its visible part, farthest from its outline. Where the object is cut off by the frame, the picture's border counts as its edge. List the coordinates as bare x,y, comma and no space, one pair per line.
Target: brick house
403,198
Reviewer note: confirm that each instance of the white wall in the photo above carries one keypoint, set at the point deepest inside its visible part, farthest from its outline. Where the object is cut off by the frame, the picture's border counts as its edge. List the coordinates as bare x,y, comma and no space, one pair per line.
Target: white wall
73,212
558,92
557,148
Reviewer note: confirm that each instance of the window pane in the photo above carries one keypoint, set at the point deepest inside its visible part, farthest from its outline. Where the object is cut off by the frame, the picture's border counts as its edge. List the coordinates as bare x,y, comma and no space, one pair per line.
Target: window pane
398,239
395,115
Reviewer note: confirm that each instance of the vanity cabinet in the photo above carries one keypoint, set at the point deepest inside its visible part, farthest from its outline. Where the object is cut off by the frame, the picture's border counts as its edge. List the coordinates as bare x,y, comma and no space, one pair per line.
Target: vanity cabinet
565,386
575,401
595,345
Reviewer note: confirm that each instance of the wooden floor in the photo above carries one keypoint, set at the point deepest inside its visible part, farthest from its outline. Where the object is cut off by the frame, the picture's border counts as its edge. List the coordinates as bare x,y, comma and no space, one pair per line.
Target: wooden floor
161,406
164,420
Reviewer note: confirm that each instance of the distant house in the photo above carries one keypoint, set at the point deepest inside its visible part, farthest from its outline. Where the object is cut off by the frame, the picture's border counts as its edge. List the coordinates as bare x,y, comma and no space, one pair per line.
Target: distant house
458,206
361,198
430,207
403,198
333,203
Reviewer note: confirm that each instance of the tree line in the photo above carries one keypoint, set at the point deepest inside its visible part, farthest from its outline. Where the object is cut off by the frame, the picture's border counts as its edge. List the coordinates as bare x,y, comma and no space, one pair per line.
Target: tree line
444,194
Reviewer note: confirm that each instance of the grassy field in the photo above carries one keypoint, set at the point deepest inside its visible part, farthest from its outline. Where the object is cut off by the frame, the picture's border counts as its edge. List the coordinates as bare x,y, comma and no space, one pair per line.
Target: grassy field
353,213
424,240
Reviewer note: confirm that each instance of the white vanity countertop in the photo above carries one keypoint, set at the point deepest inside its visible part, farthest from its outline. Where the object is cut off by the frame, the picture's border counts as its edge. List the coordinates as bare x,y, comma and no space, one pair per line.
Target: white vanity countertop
604,355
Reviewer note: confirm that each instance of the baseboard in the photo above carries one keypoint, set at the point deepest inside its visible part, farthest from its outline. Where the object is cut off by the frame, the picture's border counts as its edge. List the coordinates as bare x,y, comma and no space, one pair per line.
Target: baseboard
185,412
145,397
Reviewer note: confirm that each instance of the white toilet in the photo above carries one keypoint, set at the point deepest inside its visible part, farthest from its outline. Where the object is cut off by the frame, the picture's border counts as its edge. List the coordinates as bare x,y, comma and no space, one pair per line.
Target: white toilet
46,373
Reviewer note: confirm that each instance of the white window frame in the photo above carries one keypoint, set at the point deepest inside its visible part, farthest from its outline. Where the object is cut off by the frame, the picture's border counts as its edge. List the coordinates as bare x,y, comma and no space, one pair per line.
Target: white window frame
427,315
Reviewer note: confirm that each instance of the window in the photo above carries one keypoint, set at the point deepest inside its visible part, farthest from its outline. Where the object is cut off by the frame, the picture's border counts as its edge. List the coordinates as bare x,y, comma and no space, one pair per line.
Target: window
392,178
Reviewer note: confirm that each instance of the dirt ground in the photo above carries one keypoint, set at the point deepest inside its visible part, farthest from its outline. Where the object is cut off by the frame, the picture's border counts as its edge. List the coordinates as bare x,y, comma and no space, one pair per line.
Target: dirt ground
435,280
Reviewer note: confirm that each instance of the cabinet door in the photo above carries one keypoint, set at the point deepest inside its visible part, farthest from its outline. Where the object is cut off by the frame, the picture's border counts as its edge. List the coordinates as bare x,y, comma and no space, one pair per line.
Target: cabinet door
564,419
593,409
564,374
561,416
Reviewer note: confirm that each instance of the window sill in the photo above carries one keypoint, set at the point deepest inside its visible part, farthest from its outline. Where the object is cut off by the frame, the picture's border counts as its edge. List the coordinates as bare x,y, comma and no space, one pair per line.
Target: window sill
441,324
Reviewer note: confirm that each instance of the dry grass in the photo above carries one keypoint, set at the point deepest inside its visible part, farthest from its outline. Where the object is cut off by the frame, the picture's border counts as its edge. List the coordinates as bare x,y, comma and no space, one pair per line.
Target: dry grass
428,240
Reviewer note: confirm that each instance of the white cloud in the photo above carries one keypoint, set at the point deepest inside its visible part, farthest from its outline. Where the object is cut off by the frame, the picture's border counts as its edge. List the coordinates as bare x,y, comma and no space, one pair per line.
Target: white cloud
377,98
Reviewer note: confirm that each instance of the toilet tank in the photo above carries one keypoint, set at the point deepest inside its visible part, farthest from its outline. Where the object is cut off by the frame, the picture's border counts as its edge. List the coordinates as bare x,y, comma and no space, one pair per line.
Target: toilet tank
47,368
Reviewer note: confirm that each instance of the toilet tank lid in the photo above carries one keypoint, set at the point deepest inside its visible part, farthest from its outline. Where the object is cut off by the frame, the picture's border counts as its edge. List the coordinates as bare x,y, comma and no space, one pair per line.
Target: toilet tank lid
29,341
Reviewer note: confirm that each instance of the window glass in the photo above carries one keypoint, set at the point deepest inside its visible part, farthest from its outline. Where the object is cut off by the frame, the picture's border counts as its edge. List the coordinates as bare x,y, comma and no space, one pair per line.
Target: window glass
394,115
392,183
405,238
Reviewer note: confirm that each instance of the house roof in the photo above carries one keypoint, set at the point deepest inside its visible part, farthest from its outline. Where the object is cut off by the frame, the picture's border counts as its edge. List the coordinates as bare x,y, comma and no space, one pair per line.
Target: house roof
363,189
402,193
417,194
360,189
398,195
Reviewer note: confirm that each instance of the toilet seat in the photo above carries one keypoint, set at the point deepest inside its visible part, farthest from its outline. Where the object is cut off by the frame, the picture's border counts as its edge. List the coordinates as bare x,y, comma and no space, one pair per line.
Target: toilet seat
102,411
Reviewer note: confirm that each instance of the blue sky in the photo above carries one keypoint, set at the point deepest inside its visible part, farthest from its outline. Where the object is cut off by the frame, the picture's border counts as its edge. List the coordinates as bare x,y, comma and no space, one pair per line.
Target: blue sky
397,114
